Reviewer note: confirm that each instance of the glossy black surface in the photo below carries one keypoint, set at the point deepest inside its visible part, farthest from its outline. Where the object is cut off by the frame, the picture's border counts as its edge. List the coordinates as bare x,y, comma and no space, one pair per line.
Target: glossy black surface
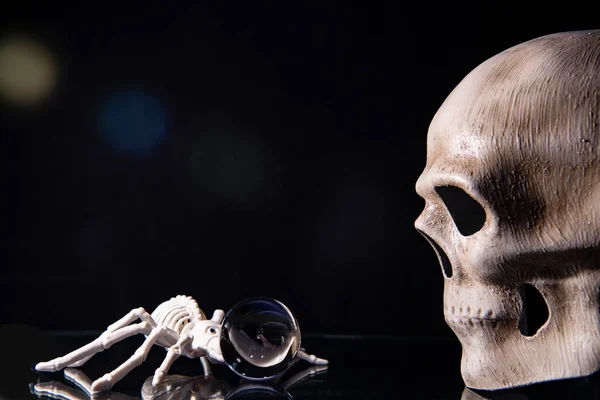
361,368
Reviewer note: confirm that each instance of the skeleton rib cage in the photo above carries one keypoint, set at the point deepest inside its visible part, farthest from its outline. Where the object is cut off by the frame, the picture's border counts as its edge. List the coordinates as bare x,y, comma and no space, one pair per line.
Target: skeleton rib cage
177,313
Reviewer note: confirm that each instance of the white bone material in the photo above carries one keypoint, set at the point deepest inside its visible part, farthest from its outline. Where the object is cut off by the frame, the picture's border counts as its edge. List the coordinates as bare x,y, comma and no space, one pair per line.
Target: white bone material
520,137
178,324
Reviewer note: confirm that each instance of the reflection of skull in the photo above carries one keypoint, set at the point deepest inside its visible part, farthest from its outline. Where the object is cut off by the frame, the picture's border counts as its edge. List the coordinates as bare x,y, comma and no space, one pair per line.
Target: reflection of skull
512,191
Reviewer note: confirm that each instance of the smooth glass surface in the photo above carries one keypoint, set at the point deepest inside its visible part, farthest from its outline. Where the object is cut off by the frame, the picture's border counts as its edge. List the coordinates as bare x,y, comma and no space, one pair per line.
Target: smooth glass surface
361,367
260,338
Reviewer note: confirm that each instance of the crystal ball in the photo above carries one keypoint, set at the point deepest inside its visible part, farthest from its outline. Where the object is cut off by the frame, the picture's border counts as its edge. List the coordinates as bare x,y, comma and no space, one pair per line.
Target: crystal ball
260,338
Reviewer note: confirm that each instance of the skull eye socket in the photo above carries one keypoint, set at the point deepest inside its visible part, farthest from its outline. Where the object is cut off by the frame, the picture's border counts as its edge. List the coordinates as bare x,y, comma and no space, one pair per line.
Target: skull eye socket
468,215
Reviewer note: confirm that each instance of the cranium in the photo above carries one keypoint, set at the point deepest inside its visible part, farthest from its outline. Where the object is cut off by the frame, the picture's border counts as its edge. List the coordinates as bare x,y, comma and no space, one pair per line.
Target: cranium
512,193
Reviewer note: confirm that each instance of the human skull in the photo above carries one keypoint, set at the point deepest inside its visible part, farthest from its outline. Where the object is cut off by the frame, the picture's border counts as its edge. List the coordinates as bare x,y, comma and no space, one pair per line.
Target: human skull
512,209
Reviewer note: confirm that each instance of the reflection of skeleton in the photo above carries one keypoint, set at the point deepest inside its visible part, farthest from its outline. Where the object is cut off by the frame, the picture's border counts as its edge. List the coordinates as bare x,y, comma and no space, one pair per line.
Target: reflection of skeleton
177,324
171,387
264,355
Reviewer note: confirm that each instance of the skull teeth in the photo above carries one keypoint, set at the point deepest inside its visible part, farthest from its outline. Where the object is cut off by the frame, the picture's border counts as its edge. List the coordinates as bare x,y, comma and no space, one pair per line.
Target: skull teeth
470,314
471,322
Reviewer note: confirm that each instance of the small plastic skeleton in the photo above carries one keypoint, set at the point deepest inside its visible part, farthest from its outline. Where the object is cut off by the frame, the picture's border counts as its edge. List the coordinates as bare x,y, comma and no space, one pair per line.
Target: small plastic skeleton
178,324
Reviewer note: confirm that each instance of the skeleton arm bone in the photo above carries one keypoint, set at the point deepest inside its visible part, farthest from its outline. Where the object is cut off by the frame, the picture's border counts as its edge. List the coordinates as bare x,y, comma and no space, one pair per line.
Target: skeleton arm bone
103,342
109,379
173,354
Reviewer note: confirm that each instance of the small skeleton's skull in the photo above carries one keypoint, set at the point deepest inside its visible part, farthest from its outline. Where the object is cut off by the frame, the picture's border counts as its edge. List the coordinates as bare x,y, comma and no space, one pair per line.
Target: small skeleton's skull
512,191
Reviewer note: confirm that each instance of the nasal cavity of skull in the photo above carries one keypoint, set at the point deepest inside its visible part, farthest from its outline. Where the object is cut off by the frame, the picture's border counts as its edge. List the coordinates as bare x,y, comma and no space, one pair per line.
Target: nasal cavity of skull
468,215
441,255
535,312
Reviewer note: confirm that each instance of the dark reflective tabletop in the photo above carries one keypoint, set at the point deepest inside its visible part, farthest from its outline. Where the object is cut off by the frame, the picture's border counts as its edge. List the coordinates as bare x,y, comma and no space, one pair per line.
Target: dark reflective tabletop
360,368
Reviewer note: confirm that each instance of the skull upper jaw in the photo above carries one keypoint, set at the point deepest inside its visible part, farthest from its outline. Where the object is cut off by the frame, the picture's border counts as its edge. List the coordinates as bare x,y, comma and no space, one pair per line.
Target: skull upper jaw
496,355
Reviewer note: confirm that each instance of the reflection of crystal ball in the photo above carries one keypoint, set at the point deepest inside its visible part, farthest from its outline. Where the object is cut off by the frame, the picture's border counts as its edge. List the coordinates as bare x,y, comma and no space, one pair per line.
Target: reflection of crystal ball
260,338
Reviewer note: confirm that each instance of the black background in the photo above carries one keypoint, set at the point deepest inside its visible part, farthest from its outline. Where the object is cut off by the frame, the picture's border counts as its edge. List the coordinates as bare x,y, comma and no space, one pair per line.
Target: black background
337,96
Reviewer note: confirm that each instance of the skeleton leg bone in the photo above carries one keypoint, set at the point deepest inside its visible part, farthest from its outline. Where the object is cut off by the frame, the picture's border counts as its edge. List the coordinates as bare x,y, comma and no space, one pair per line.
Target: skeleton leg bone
206,366
109,379
80,362
103,342
311,358
136,313
172,354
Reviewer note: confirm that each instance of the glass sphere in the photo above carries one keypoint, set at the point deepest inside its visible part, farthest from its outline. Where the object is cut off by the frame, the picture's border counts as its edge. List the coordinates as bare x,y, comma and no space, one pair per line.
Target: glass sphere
260,338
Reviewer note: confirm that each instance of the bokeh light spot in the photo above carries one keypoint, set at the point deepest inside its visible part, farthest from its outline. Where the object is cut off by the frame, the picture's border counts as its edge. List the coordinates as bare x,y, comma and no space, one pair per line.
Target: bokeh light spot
133,121
28,71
